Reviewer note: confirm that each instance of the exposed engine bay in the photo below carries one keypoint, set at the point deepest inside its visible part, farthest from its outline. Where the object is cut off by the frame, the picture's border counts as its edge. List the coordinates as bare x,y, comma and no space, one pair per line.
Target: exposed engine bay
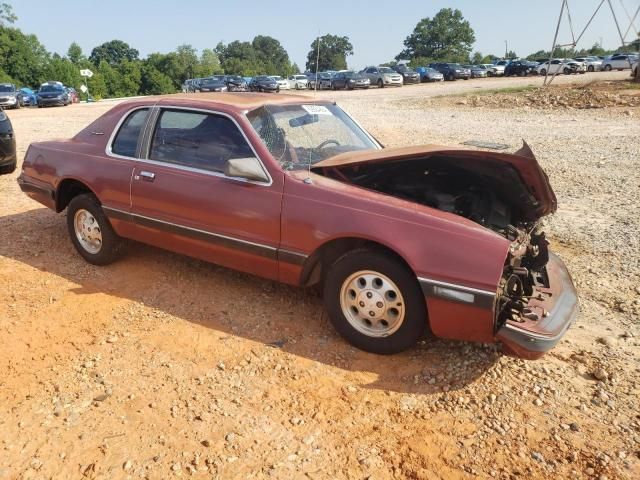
488,192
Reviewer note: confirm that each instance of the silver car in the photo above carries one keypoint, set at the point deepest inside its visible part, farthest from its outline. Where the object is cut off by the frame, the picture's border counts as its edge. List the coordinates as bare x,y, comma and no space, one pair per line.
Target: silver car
594,64
382,76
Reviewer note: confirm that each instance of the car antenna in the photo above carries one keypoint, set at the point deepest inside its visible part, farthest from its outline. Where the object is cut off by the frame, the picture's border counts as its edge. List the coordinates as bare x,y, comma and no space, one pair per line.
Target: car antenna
315,93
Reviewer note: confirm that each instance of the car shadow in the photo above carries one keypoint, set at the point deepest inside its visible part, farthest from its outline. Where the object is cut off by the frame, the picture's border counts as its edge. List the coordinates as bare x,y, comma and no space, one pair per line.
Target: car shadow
238,304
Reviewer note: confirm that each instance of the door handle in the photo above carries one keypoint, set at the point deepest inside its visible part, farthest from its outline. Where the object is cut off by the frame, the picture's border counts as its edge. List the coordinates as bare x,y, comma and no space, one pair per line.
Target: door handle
146,176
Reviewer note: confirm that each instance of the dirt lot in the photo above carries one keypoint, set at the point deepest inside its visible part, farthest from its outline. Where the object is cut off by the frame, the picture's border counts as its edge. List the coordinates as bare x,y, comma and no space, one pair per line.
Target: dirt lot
160,366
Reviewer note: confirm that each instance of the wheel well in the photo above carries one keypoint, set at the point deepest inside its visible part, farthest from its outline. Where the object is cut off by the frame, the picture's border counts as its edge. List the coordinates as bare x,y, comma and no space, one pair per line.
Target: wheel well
67,190
316,265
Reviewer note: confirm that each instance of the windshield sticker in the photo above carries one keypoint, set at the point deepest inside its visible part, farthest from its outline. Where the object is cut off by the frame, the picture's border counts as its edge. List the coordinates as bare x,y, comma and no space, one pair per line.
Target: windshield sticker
317,109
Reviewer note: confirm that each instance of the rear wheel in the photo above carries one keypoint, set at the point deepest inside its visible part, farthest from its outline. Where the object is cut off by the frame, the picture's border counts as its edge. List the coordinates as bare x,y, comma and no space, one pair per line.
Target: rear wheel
7,169
374,301
566,71
543,72
607,68
380,83
91,232
590,68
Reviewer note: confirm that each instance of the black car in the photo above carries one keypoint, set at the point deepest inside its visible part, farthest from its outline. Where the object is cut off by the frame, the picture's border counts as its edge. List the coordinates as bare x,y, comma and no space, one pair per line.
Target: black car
409,75
235,83
452,71
521,68
51,94
349,80
7,145
9,96
263,83
213,84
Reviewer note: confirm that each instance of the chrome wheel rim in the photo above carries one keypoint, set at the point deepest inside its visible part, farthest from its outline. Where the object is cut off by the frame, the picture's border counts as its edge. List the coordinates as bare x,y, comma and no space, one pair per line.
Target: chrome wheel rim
88,231
372,303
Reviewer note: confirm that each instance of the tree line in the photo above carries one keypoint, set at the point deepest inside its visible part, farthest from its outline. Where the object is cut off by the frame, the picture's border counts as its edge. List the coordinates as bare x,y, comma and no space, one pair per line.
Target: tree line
119,71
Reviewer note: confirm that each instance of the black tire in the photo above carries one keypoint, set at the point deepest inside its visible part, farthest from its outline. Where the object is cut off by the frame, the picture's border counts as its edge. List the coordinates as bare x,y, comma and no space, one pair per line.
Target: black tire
590,68
414,324
607,68
380,83
543,72
8,169
451,77
112,245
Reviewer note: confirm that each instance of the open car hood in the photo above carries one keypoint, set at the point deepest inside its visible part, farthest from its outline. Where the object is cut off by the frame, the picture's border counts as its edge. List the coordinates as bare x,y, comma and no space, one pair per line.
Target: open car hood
523,161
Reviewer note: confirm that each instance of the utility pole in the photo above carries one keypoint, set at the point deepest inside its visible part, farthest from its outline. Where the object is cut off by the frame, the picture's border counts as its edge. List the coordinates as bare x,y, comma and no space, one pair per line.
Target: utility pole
506,49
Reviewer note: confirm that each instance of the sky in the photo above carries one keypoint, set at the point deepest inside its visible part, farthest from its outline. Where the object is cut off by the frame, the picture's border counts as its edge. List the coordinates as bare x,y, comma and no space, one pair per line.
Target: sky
376,28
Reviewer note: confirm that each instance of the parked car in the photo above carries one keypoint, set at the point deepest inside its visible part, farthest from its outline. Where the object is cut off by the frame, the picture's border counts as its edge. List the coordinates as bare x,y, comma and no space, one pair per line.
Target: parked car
319,81
216,83
235,83
409,75
284,188
52,94
8,158
73,95
9,96
382,76
298,82
283,83
521,68
558,65
428,74
263,83
492,70
452,71
634,68
476,71
349,80
618,62
324,80
27,97
594,64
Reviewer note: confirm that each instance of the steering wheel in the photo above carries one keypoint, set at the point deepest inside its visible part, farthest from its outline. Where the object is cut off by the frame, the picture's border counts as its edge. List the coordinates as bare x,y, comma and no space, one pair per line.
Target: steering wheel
328,142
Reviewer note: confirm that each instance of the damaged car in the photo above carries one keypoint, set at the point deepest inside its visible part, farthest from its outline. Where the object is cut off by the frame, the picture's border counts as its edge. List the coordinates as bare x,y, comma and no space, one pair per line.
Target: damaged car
399,240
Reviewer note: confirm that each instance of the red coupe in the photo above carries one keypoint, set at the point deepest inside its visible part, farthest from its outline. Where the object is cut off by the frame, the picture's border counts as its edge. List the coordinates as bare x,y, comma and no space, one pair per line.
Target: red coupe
295,190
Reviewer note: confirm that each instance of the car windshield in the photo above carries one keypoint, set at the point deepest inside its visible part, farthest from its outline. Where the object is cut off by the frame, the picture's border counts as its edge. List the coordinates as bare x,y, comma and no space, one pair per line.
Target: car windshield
51,88
7,88
300,77
386,70
235,78
276,77
299,135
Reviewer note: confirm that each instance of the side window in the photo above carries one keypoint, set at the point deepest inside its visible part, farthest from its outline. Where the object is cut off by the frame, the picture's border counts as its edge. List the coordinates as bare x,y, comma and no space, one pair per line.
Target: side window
197,140
126,141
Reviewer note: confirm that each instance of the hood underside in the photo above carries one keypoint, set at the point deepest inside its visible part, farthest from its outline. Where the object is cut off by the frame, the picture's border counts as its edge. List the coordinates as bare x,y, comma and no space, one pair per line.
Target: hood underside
519,167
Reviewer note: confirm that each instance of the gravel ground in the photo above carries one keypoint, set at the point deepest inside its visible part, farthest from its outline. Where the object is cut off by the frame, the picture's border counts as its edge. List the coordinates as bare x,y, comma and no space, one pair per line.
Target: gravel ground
160,366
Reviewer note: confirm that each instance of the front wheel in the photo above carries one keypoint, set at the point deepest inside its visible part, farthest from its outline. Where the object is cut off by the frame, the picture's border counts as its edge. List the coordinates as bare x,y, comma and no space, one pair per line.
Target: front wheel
91,232
380,84
375,302
543,72
607,68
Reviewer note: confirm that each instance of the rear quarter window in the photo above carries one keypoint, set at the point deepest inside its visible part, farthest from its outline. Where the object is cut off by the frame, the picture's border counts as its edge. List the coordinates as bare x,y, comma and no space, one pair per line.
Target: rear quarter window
126,141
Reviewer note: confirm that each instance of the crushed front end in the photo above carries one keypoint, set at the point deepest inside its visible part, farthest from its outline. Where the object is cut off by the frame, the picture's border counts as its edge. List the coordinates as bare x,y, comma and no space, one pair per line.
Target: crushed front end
537,301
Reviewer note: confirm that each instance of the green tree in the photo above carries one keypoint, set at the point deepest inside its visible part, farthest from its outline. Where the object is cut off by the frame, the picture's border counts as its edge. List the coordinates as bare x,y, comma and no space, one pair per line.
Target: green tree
333,53
209,64
6,14
446,37
154,82
272,55
22,57
63,70
74,53
130,78
113,52
476,58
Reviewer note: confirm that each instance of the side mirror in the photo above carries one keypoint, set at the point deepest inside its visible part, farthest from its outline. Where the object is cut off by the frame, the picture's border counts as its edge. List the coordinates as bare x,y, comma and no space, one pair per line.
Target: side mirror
248,168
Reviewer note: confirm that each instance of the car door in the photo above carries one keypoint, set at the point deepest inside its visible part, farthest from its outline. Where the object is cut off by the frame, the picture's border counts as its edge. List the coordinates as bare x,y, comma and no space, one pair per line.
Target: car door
181,199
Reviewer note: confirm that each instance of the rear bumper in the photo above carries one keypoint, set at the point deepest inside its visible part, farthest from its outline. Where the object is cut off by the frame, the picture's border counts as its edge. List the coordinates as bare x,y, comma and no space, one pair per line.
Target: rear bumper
38,191
558,310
